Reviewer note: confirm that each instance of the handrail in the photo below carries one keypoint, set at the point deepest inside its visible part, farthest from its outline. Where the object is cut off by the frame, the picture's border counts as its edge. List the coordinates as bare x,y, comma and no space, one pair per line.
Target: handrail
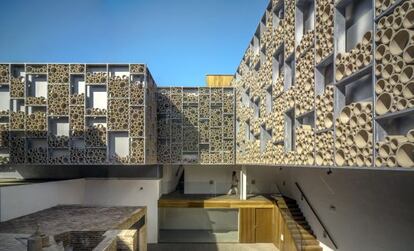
317,216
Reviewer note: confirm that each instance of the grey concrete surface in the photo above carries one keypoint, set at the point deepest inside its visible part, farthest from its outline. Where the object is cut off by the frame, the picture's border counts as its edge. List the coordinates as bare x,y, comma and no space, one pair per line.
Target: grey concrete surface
212,247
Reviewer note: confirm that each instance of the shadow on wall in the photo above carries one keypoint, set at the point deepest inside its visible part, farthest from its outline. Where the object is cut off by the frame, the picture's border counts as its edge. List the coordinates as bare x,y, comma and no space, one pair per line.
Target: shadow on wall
195,125
172,126
217,180
361,209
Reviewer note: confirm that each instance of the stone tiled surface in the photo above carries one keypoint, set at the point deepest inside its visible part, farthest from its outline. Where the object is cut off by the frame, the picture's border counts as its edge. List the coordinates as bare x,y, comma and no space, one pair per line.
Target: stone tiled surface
67,218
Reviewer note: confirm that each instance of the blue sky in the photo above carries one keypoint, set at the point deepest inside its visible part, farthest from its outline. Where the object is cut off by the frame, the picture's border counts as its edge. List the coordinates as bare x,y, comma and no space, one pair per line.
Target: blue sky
180,40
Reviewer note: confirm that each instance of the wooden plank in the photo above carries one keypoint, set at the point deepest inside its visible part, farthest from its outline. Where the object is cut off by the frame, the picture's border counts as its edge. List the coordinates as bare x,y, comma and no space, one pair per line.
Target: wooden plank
142,238
277,227
264,225
247,225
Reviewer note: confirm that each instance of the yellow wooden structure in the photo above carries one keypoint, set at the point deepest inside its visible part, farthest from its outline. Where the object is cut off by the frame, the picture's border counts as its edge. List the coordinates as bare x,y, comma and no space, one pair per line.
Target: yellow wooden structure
219,80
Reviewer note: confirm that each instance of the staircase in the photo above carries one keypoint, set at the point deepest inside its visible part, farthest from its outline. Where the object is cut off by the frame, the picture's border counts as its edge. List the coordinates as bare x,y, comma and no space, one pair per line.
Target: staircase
298,226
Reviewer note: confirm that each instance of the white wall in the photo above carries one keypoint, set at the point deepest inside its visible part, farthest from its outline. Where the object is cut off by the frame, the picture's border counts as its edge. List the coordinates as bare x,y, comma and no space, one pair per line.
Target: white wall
363,210
199,219
16,201
197,180
127,192
260,180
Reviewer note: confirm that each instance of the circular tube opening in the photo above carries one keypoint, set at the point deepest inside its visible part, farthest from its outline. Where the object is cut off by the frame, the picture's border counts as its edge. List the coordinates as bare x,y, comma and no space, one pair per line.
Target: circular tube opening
380,86
405,155
387,71
384,150
361,139
402,104
380,51
387,36
328,121
407,74
345,115
383,104
391,161
366,39
340,157
360,161
410,135
408,54
399,42
408,21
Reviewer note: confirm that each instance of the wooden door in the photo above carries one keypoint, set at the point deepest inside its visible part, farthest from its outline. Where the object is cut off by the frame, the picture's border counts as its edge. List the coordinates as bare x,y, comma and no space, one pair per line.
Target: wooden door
264,225
247,225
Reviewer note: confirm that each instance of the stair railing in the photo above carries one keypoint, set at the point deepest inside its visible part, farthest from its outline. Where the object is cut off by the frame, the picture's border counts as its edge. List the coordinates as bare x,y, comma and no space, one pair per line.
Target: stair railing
325,230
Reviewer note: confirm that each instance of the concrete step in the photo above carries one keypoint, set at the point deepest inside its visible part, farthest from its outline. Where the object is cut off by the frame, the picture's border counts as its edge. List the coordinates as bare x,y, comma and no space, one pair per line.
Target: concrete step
294,210
300,222
287,199
282,205
312,248
296,214
288,203
303,236
292,205
300,231
293,226
307,242
299,218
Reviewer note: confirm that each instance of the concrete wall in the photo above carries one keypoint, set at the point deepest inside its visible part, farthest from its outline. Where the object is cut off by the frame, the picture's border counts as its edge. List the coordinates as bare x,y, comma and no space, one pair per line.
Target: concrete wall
362,209
16,201
198,219
170,178
217,180
207,180
261,180
127,192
